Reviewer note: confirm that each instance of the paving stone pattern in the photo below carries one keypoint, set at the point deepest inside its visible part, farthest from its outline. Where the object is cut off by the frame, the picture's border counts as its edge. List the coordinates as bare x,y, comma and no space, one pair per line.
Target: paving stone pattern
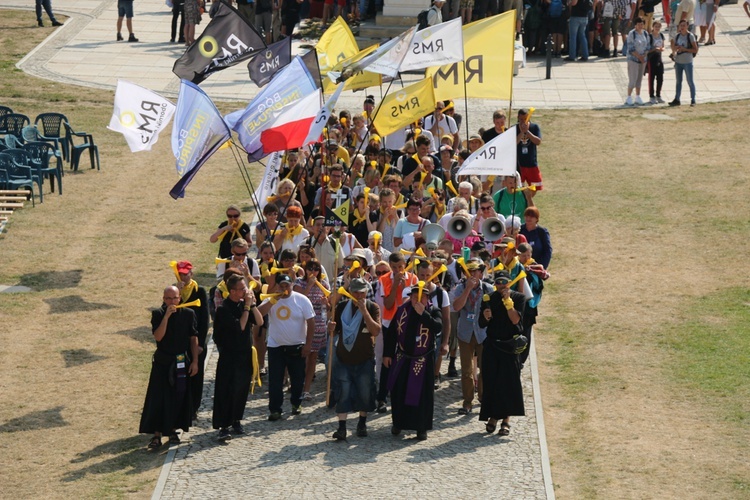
296,457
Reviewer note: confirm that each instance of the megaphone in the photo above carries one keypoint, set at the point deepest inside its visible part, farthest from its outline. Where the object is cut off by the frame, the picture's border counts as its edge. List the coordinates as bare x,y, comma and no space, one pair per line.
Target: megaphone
433,233
196,303
493,229
459,227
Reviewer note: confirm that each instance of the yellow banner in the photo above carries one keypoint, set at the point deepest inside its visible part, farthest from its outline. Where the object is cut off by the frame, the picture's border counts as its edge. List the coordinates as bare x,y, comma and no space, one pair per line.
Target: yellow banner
488,55
335,45
404,106
359,81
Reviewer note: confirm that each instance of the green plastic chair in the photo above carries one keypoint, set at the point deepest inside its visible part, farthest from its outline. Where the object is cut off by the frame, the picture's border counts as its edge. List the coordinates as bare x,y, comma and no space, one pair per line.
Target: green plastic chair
13,177
51,129
76,150
22,160
40,154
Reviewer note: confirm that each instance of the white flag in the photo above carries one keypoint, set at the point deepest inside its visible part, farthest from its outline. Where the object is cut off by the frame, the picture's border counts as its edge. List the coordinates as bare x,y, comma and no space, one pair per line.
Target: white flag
270,179
139,115
387,59
320,121
497,157
435,46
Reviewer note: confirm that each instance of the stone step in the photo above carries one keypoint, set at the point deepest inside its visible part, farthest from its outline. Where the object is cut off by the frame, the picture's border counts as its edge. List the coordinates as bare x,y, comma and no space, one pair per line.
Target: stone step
405,21
379,32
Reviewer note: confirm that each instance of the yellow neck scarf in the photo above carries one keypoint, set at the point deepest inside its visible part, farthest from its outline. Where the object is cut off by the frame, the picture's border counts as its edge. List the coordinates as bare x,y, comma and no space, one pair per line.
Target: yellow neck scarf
235,231
292,233
359,218
188,290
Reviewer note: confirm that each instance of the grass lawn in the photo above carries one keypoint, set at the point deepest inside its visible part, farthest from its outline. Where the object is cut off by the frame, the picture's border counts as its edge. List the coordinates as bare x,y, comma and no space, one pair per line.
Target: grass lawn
643,334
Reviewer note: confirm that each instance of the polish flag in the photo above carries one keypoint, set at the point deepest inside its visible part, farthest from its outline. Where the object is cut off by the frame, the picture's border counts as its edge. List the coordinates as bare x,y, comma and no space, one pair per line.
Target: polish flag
291,126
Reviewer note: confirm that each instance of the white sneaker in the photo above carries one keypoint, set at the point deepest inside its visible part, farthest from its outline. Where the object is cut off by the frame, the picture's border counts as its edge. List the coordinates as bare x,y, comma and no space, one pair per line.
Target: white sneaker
638,101
653,100
629,101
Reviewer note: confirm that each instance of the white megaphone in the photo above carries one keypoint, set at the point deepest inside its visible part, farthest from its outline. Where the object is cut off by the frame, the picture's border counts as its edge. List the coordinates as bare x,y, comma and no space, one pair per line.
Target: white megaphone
459,227
493,228
432,234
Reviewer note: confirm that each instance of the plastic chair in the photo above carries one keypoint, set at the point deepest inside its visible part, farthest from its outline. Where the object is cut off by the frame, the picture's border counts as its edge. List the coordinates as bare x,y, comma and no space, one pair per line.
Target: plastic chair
13,124
4,110
40,154
51,129
76,150
13,177
22,159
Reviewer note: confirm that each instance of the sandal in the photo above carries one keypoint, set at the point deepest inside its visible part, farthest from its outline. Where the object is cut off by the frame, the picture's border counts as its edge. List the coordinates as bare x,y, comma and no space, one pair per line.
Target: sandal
504,429
155,443
174,439
490,427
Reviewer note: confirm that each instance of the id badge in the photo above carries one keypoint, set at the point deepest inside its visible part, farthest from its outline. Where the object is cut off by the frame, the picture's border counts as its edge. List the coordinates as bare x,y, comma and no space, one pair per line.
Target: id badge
471,316
181,365
524,150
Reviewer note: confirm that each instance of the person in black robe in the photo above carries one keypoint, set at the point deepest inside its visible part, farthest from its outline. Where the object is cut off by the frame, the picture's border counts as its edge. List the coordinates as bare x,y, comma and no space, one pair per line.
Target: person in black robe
168,404
409,351
502,395
190,292
234,338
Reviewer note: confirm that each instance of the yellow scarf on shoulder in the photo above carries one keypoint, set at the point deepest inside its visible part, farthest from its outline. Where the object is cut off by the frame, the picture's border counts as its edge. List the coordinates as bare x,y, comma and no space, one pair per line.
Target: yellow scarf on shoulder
188,290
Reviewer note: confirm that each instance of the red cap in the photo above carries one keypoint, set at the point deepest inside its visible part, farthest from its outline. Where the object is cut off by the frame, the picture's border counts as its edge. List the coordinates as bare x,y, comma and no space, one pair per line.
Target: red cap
184,267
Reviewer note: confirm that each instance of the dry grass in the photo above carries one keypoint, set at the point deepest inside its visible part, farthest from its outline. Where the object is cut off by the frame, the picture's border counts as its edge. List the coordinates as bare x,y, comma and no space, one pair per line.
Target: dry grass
647,227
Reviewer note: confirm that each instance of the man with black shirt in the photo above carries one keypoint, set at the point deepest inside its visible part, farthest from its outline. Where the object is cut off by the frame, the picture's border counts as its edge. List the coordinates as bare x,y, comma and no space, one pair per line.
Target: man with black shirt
528,137
499,125
234,339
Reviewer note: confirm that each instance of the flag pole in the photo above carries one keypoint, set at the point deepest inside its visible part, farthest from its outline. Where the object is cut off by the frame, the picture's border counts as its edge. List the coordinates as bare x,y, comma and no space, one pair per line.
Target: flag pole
466,105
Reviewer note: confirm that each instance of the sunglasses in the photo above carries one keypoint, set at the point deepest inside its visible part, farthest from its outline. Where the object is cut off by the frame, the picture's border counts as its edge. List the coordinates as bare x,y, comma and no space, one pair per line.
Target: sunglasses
381,273
486,208
233,216
238,254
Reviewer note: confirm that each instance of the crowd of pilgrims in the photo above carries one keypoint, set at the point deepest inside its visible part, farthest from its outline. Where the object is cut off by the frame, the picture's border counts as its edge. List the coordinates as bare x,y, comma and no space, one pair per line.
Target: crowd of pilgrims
426,266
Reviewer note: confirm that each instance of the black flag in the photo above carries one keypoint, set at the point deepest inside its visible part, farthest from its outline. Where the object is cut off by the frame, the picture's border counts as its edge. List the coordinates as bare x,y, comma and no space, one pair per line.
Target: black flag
227,40
310,58
265,64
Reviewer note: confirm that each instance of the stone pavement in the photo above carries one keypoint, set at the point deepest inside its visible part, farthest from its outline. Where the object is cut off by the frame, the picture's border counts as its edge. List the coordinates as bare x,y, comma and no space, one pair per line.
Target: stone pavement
297,458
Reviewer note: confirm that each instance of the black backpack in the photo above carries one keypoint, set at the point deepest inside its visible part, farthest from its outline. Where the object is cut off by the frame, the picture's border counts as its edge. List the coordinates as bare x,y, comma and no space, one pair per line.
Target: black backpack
422,19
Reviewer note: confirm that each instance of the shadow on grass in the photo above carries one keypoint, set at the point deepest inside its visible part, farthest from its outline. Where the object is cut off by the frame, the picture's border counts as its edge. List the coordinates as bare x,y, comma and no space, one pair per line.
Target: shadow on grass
78,357
52,280
74,303
36,421
127,455
177,238
140,333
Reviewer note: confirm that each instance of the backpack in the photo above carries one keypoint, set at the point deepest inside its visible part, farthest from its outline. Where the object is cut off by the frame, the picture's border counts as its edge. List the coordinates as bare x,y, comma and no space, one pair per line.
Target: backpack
690,40
555,8
422,19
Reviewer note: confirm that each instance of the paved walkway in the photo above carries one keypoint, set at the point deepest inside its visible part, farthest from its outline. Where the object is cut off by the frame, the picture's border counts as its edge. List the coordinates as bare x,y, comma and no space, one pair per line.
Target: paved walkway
296,457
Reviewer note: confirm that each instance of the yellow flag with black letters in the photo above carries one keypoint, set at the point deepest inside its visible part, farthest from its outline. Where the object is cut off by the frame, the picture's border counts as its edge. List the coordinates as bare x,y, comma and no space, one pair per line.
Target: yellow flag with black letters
489,45
335,45
361,80
405,106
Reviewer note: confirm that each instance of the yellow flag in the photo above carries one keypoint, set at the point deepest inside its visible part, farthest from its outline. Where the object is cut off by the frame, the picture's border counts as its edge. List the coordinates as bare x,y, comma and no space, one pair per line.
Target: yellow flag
403,107
488,52
335,45
361,80
342,212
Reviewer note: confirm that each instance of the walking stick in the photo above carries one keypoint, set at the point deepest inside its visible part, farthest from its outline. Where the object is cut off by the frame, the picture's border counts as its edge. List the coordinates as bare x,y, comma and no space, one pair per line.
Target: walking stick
330,368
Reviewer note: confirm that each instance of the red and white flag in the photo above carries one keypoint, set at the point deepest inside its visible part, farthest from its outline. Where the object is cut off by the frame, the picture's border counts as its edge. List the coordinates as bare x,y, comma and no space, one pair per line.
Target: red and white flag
292,125
321,120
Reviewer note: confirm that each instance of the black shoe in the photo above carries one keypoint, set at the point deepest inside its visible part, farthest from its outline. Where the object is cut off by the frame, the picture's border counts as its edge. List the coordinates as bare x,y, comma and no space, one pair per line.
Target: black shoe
40,23
340,435
155,443
182,40
174,439
237,429
692,104
362,431
296,410
676,102
464,411
421,435
569,59
132,38
119,37
382,408
56,23
224,435
395,431
273,417
171,40
452,372
584,59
